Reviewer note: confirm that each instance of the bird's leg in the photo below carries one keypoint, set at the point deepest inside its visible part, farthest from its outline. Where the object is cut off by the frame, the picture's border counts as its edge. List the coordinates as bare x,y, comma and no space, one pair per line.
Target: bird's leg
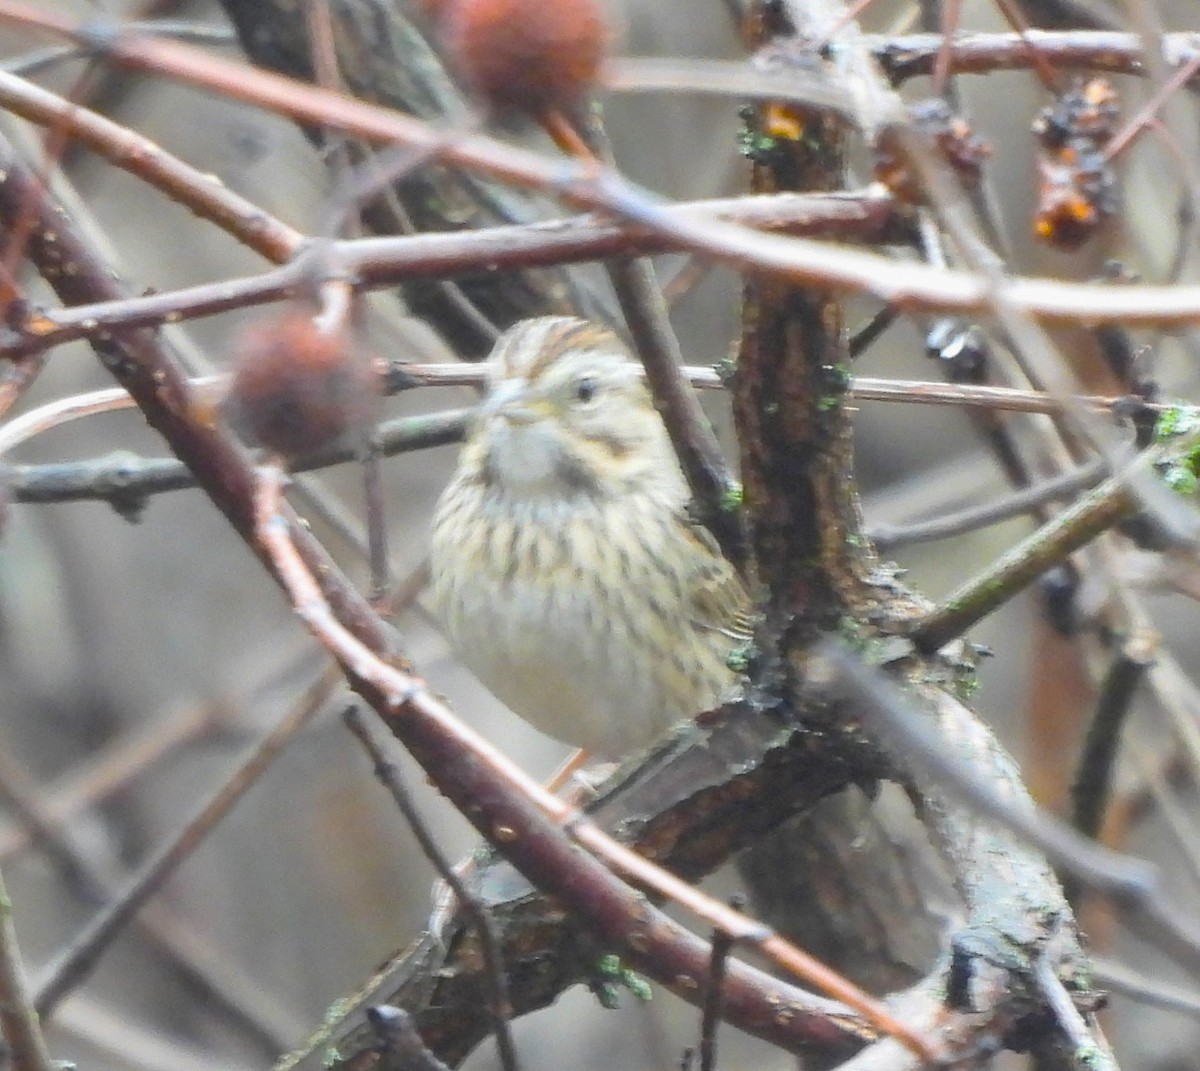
563,133
574,763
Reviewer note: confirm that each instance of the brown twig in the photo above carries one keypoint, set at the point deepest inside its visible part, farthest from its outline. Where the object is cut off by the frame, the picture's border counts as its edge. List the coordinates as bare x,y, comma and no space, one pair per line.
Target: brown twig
863,338
383,262
1076,526
1047,75
982,53
19,377
1149,111
151,376
389,776
130,151
692,435
410,433
307,103
714,986
126,480
654,341
909,286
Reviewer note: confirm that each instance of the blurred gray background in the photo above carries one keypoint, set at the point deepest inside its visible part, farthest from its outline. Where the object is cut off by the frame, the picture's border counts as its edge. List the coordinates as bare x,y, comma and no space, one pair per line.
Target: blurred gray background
111,631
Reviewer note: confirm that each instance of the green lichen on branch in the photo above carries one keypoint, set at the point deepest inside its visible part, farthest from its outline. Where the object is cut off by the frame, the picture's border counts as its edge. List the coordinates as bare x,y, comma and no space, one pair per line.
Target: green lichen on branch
610,977
1180,469
731,500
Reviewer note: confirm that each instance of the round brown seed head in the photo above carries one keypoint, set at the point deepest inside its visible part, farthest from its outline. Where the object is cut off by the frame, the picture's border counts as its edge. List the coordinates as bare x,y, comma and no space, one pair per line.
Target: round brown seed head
533,56
297,389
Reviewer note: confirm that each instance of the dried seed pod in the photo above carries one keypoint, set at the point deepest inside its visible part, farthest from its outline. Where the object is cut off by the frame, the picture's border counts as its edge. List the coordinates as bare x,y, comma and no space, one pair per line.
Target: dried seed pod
297,389
953,138
1076,193
1059,587
1076,185
1089,109
530,56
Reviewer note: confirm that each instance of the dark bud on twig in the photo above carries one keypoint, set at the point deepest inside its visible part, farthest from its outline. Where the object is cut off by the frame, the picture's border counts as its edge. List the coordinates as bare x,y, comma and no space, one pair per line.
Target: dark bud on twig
962,346
531,56
298,389
960,974
1059,587
1137,408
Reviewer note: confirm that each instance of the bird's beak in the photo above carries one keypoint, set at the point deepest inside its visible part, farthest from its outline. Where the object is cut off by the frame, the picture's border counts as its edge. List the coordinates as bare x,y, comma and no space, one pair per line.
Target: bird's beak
509,401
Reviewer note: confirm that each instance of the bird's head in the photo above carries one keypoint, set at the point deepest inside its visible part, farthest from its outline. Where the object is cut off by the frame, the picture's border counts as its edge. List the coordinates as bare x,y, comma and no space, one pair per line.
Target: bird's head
567,414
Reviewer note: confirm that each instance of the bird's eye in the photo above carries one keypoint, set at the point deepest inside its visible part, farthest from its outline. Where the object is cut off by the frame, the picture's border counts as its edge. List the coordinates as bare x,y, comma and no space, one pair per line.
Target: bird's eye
585,389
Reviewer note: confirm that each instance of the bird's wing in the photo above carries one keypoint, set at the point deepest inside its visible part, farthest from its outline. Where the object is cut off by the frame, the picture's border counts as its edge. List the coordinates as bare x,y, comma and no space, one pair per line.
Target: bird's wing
718,597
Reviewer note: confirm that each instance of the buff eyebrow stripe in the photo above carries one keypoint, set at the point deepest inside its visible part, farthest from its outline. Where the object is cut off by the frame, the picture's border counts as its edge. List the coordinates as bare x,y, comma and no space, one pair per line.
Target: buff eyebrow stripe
569,335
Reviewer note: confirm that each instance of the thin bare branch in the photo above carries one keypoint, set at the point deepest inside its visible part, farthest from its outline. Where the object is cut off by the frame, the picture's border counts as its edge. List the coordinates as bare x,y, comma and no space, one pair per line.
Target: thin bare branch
79,959
197,191
1144,989
126,480
981,53
1097,765
22,1030
713,1000
1075,527
909,286
389,776
895,536
1082,1041
375,263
